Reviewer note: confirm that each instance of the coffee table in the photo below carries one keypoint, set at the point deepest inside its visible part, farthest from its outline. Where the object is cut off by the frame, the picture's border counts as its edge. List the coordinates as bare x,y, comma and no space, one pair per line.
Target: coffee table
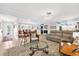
38,45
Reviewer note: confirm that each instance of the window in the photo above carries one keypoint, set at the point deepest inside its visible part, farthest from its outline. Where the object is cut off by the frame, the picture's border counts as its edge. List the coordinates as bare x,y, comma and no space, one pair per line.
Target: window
53,27
8,29
45,27
77,22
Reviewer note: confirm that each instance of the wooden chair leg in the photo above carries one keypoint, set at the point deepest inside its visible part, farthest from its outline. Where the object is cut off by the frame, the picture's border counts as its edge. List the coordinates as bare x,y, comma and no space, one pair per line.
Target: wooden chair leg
25,40
21,40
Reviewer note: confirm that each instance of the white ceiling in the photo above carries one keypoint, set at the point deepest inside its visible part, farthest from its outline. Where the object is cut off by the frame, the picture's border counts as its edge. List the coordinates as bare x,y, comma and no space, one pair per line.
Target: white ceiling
35,11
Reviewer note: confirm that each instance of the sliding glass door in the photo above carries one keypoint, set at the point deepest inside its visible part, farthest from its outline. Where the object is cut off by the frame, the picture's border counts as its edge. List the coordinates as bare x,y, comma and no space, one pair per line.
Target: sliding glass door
7,31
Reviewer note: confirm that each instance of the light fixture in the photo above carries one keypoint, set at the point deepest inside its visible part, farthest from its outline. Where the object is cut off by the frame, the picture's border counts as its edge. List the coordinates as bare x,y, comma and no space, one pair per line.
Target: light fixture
47,15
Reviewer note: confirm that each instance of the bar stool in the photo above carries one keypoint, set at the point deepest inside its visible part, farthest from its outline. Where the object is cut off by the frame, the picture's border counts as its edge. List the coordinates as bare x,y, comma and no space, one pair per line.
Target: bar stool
20,35
34,36
25,36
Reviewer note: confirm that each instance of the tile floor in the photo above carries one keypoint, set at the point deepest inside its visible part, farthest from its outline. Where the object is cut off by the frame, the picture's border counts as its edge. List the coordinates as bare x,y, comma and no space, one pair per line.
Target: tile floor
53,49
